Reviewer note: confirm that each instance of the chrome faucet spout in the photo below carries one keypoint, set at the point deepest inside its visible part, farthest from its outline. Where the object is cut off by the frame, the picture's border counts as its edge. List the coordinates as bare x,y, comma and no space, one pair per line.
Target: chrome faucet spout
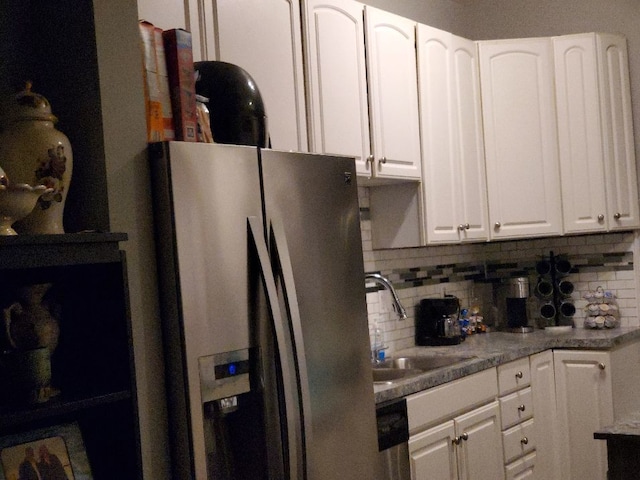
402,313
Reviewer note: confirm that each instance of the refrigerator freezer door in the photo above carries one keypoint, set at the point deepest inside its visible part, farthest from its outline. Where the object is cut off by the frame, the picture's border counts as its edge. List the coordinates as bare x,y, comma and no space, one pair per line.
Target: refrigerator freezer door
315,199
203,195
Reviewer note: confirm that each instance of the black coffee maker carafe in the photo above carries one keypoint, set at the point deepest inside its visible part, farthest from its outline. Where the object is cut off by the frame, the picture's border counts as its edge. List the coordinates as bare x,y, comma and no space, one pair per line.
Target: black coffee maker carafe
437,321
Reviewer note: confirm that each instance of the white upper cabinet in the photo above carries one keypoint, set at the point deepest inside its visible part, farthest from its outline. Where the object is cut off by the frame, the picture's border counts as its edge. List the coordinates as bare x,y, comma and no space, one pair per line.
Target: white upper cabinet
393,94
617,127
265,38
337,80
580,134
597,159
521,145
454,179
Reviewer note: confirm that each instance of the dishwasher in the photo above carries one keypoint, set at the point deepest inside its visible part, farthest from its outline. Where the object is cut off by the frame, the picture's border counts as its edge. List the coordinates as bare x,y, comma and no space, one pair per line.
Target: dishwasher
393,437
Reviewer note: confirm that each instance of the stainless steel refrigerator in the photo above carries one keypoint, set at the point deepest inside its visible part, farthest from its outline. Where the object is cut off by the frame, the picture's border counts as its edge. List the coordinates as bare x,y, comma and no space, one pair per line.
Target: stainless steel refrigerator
264,316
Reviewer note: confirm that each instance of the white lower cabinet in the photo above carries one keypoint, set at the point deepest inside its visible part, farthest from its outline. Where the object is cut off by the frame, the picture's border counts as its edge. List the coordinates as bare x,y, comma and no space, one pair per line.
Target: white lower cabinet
524,469
545,427
592,389
457,449
530,418
432,454
455,430
519,437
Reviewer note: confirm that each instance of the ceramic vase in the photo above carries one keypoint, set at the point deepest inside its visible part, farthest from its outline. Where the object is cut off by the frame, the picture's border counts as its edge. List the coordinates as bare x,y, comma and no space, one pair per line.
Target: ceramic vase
34,152
30,322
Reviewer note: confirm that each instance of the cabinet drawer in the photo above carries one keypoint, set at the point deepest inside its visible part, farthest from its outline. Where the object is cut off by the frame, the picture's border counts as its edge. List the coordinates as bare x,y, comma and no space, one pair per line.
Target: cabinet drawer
444,401
522,469
516,407
518,441
513,375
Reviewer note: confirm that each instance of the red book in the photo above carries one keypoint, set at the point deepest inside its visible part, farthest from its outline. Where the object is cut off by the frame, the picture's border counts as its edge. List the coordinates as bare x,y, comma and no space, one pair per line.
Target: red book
182,84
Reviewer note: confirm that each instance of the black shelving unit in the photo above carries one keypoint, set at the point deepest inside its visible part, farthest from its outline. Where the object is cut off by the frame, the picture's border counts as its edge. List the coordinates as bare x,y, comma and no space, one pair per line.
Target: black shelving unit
93,364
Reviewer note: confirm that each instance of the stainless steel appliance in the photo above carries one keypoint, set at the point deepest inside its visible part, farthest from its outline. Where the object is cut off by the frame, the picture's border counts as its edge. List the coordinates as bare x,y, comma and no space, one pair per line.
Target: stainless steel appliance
393,438
512,301
264,314
437,321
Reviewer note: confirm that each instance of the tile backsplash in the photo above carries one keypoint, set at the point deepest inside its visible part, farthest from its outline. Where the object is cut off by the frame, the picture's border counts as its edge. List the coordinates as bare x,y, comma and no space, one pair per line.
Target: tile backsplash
470,271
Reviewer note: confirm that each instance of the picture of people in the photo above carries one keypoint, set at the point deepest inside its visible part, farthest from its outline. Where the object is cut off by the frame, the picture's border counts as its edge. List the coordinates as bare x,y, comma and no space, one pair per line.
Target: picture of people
51,453
45,459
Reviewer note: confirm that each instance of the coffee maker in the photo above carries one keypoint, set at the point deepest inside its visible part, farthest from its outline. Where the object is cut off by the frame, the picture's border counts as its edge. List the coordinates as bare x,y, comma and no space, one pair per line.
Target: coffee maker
437,321
512,302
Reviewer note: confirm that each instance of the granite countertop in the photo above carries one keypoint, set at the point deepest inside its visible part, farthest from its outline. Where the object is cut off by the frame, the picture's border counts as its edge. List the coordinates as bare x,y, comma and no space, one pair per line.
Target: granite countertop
627,426
495,348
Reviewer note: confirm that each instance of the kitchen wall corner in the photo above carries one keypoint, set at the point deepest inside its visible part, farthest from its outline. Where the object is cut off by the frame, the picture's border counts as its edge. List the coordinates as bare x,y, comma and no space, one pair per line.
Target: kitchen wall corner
466,270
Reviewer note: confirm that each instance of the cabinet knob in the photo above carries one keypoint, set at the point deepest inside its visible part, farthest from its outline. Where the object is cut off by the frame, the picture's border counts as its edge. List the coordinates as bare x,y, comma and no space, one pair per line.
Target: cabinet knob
383,160
467,226
617,215
461,227
521,408
524,441
601,218
369,161
497,225
458,440
519,375
602,366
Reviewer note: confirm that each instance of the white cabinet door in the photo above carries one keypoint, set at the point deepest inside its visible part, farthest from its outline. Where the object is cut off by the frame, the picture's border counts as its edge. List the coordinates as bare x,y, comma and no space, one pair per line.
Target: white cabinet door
521,147
597,158
584,400
477,430
545,426
454,180
469,447
265,38
337,80
432,454
620,160
393,94
579,134
526,468
467,117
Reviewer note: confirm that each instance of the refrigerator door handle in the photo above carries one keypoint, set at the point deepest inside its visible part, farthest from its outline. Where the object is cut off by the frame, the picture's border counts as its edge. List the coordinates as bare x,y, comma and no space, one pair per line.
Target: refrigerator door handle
280,253
295,451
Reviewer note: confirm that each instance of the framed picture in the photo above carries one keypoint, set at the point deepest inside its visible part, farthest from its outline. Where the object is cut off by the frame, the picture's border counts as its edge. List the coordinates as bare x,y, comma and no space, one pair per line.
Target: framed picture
54,453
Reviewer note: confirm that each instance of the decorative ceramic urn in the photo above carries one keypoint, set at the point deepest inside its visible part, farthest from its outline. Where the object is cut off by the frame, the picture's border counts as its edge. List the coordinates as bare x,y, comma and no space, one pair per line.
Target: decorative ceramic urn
34,152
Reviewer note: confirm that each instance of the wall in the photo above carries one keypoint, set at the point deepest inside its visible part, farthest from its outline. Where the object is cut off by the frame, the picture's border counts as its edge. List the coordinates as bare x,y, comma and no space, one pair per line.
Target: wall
470,271
526,18
475,19
608,259
129,189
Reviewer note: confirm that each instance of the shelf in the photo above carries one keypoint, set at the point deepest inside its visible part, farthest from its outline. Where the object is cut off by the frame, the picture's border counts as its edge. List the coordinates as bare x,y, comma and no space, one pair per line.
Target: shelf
57,407
38,251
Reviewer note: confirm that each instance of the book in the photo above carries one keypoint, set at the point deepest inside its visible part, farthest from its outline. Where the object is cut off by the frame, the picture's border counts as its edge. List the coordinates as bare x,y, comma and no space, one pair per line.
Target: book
182,85
163,86
153,104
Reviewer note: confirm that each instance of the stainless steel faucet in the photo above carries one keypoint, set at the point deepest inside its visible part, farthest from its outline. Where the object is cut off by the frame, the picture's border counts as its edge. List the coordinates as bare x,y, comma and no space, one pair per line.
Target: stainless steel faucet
402,313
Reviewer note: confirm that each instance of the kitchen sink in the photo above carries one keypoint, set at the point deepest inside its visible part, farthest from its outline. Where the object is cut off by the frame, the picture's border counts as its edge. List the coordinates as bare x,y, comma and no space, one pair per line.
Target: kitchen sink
389,375
399,368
